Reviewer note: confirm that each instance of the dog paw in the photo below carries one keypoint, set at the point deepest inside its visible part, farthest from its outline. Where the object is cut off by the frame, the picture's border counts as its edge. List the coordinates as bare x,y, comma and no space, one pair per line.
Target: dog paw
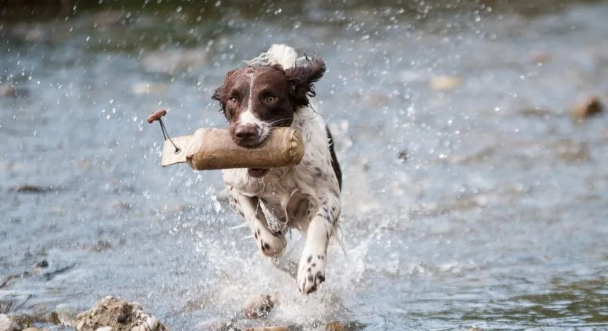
270,244
311,272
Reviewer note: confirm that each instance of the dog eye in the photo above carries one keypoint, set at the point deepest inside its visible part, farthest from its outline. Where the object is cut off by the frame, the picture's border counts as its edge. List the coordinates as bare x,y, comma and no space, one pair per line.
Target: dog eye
232,99
271,99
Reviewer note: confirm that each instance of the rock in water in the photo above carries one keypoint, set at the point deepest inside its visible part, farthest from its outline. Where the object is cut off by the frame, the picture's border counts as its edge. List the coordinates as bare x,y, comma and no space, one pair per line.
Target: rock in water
592,107
117,315
259,305
6,324
63,315
334,326
444,83
7,90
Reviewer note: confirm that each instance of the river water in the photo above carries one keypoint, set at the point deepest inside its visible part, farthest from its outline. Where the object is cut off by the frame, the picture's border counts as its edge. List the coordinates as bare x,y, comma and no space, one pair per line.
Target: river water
471,196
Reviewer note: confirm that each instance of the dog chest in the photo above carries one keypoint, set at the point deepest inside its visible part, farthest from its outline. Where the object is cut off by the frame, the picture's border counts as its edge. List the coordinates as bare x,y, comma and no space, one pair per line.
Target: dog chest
287,194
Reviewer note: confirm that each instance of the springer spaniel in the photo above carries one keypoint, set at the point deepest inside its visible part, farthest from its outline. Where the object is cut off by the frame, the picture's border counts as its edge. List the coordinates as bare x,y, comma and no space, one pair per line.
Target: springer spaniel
276,90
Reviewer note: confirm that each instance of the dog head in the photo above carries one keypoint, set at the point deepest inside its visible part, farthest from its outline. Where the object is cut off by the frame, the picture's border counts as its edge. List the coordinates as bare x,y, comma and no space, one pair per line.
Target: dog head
255,99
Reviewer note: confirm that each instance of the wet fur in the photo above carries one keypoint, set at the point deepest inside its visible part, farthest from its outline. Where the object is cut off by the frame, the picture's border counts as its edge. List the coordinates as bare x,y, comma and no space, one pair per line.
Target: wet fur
304,197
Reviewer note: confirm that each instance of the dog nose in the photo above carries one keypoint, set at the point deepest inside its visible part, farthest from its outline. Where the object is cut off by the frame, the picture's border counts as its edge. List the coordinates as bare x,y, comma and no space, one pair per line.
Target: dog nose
246,132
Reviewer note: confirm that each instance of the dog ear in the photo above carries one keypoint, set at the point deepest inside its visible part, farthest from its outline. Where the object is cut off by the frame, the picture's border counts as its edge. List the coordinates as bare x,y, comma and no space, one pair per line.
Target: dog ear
219,93
302,79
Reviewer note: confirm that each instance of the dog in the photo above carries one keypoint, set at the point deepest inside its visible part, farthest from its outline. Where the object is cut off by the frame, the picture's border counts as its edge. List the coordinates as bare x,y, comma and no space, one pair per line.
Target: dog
276,89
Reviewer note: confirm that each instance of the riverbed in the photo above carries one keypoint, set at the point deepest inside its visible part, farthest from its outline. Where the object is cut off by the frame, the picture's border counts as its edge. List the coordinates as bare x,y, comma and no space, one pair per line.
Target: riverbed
471,195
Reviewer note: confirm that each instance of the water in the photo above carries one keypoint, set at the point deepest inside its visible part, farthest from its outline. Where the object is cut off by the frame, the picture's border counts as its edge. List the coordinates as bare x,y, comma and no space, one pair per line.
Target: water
481,204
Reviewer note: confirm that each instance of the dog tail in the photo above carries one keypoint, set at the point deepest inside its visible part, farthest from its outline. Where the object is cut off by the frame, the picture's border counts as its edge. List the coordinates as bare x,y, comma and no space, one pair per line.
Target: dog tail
281,54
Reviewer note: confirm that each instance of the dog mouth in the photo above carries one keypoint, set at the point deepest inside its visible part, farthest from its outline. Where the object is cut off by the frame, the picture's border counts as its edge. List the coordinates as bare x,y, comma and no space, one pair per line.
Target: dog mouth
257,173
250,143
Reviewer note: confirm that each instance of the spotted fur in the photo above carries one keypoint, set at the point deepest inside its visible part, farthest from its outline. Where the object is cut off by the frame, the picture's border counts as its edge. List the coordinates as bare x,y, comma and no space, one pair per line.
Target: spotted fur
304,197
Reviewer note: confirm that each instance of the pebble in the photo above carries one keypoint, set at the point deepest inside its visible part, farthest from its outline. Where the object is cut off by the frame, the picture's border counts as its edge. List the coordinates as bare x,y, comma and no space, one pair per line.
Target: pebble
403,155
540,58
592,107
63,315
40,266
334,326
444,83
259,306
30,188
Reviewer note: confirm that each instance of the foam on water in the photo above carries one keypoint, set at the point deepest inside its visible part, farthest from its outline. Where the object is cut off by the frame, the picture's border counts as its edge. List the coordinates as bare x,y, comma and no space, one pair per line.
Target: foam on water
241,276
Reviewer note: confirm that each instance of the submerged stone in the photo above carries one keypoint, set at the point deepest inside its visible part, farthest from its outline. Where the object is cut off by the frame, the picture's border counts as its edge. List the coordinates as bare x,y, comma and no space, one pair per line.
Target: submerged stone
63,315
6,324
592,107
334,326
7,90
117,315
444,83
259,306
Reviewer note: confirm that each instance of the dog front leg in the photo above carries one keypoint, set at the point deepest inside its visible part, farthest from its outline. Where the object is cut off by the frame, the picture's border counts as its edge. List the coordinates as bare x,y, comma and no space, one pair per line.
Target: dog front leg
269,243
311,271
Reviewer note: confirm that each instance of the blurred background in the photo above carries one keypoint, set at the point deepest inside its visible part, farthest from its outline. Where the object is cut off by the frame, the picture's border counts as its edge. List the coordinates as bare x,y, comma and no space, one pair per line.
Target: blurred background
470,135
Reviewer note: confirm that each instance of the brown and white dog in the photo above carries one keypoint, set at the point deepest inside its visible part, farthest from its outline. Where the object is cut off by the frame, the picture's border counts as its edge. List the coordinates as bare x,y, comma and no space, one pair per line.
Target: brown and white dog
274,90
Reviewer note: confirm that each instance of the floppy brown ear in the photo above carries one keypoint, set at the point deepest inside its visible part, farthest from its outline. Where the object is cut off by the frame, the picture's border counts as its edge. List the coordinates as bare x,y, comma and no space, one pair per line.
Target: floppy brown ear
302,79
219,93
